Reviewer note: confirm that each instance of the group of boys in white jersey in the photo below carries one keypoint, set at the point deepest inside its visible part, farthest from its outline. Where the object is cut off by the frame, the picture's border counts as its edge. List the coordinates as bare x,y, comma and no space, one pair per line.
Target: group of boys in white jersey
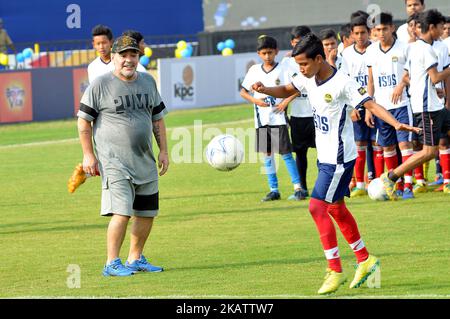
368,84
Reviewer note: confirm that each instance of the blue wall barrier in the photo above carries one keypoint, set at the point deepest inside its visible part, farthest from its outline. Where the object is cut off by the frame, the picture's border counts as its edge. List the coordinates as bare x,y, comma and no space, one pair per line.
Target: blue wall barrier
41,94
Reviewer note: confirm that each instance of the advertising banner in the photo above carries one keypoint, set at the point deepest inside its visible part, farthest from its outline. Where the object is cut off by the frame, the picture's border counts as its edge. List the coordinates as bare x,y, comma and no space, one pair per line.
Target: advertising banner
80,83
15,97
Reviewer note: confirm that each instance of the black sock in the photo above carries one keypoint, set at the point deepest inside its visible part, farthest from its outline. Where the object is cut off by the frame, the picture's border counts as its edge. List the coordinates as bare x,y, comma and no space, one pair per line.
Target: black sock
301,159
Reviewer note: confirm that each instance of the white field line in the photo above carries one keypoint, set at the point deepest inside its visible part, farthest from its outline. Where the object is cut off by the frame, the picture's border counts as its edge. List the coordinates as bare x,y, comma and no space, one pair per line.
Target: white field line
75,140
241,297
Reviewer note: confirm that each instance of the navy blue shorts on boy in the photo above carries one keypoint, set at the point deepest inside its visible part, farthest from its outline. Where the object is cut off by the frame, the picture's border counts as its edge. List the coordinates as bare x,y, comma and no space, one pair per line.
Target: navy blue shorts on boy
362,131
333,181
387,135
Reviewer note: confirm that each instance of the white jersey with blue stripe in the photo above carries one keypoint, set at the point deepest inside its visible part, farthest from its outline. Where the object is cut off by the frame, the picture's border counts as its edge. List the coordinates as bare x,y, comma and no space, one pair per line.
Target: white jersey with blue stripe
300,106
275,77
387,71
424,97
332,102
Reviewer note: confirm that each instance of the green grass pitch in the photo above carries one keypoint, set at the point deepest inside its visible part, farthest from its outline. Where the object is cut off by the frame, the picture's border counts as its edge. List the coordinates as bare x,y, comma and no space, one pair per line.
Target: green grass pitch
213,235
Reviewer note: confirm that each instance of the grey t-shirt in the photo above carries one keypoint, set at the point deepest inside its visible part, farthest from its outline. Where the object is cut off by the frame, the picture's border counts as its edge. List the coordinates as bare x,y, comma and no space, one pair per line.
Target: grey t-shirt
122,114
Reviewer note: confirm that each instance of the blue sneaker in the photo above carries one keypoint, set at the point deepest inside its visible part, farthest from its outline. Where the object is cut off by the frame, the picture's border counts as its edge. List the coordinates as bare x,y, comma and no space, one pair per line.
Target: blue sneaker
438,180
399,193
408,193
116,268
142,264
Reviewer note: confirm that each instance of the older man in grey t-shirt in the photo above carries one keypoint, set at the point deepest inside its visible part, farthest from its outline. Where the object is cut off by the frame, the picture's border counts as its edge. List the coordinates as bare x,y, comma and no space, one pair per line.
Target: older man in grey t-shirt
125,108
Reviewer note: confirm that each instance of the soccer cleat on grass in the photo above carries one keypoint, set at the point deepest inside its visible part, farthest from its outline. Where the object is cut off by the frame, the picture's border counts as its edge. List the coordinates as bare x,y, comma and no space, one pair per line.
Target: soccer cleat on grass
399,193
78,177
142,265
446,189
271,196
438,180
439,189
358,192
408,193
389,186
364,270
419,188
333,280
299,194
116,268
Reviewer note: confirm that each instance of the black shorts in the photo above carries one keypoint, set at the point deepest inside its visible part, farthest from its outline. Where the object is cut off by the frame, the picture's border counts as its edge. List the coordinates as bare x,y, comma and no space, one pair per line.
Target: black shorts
303,133
273,139
433,125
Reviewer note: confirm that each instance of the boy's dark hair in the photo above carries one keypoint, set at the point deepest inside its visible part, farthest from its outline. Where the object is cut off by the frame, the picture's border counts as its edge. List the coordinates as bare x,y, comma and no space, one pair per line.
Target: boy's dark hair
345,31
384,18
266,42
134,34
359,21
359,13
447,20
413,17
102,30
311,45
430,17
300,31
327,33
422,2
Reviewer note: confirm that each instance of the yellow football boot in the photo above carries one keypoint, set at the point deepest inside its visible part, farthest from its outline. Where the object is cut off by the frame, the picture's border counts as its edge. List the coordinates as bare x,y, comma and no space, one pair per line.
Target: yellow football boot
364,270
333,280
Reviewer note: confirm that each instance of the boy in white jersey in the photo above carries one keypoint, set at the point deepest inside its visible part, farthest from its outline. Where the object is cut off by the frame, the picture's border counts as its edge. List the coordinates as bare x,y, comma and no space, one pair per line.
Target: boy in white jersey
386,61
428,109
330,45
272,134
354,64
102,40
412,7
346,40
301,121
421,172
332,95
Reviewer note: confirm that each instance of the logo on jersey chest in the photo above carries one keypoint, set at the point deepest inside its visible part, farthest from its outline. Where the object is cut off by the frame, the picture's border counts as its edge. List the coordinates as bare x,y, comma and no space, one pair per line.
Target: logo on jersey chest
328,98
132,102
277,82
362,91
394,59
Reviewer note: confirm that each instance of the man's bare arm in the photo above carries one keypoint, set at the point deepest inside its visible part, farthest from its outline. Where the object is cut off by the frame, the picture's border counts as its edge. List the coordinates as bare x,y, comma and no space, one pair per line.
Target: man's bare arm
90,163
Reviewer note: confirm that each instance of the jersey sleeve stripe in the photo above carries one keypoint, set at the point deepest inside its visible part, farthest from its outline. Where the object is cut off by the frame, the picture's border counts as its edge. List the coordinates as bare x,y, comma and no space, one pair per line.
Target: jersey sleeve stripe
365,100
88,110
158,109
431,66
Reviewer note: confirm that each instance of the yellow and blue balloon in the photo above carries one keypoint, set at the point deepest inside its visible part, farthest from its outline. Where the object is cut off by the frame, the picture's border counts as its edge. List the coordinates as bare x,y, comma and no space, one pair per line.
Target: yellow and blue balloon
226,47
145,59
183,50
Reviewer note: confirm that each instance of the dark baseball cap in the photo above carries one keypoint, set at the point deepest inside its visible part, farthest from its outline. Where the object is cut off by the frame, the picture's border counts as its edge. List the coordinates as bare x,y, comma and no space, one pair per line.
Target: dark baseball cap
124,43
